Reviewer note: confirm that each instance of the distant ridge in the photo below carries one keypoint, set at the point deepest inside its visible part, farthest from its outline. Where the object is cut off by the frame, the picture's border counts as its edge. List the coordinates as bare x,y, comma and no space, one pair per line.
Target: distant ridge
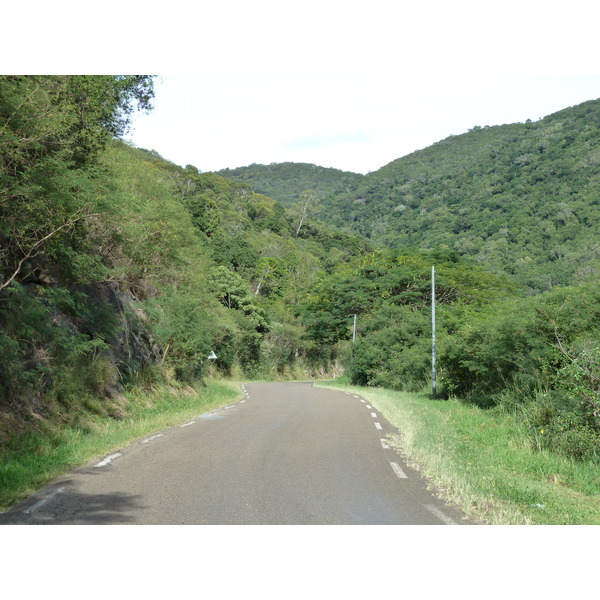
285,182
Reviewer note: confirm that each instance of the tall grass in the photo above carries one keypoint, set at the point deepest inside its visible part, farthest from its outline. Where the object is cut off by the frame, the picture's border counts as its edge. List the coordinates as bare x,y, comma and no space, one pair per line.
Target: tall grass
486,462
32,459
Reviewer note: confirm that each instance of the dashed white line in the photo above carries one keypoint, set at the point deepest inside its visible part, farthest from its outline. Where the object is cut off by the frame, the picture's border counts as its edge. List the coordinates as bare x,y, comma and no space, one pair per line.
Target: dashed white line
108,459
374,415
369,406
378,426
186,424
363,401
152,438
439,514
398,470
384,444
43,501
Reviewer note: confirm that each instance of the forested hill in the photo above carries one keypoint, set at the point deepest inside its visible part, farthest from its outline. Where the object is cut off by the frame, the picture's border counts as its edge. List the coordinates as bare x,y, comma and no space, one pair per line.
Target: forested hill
522,199
285,182
120,269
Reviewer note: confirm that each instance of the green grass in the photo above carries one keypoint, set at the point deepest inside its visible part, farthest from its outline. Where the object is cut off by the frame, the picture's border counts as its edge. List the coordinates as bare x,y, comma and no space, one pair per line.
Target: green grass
486,463
32,459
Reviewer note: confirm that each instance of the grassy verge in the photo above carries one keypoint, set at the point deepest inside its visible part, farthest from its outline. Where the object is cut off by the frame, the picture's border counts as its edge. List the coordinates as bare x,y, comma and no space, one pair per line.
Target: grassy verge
484,462
32,459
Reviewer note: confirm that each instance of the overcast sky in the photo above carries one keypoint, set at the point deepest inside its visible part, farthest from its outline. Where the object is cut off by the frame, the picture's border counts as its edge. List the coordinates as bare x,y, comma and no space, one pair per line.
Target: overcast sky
339,83
352,122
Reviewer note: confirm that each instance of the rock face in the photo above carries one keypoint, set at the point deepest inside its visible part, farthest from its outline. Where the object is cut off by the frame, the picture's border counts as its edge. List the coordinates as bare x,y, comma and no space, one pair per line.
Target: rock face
84,341
131,341
112,317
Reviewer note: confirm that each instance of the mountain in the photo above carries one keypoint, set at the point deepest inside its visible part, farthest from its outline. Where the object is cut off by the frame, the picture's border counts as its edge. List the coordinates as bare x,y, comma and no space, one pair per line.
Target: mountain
285,182
118,268
522,199
519,199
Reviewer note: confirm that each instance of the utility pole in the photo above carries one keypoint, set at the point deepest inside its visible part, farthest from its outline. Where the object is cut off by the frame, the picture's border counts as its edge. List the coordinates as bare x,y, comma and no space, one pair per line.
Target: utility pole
353,341
433,373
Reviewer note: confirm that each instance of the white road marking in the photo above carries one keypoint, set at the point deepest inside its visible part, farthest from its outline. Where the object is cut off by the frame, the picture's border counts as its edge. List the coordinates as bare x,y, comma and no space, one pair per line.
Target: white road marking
374,415
152,438
356,396
384,445
378,426
439,514
108,459
186,424
369,406
43,501
363,401
242,401
398,470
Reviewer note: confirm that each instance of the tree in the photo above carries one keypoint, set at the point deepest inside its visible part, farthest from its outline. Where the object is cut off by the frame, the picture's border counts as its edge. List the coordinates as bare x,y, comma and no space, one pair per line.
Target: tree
308,205
51,131
269,276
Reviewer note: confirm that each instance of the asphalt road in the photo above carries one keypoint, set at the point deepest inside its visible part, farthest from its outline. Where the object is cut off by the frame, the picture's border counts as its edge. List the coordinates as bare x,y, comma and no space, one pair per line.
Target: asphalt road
285,453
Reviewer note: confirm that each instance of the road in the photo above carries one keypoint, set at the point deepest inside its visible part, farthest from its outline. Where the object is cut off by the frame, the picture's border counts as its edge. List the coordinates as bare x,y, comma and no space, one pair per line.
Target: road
285,453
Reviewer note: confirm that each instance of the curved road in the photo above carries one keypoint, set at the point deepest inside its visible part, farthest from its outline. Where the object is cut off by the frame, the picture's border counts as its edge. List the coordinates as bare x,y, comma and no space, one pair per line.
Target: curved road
285,453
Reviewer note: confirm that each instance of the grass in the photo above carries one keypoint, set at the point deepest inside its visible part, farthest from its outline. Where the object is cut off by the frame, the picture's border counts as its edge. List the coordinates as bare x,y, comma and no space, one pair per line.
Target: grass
34,458
485,462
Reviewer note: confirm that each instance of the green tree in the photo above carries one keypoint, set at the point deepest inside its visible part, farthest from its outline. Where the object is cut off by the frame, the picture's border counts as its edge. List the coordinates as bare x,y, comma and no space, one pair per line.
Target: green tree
308,205
269,277
51,127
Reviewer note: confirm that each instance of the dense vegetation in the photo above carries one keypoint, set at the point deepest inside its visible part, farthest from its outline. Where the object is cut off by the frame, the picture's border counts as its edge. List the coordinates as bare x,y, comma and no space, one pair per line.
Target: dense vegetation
120,269
538,357
511,212
521,199
285,182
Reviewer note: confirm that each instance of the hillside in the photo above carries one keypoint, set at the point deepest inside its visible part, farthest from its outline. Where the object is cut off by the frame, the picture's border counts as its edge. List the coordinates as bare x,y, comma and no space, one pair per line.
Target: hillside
120,269
522,199
285,182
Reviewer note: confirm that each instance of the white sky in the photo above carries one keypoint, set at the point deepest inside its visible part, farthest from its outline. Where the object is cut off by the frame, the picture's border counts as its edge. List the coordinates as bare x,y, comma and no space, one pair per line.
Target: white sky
352,122
345,84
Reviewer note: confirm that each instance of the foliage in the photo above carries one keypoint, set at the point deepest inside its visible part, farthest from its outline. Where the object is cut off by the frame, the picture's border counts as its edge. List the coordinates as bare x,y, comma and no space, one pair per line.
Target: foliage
390,292
538,357
285,182
52,131
118,267
308,205
520,199
517,341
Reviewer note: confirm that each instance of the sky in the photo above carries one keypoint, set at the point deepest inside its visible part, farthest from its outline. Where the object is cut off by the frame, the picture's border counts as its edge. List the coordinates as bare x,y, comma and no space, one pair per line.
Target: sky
351,122
345,84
